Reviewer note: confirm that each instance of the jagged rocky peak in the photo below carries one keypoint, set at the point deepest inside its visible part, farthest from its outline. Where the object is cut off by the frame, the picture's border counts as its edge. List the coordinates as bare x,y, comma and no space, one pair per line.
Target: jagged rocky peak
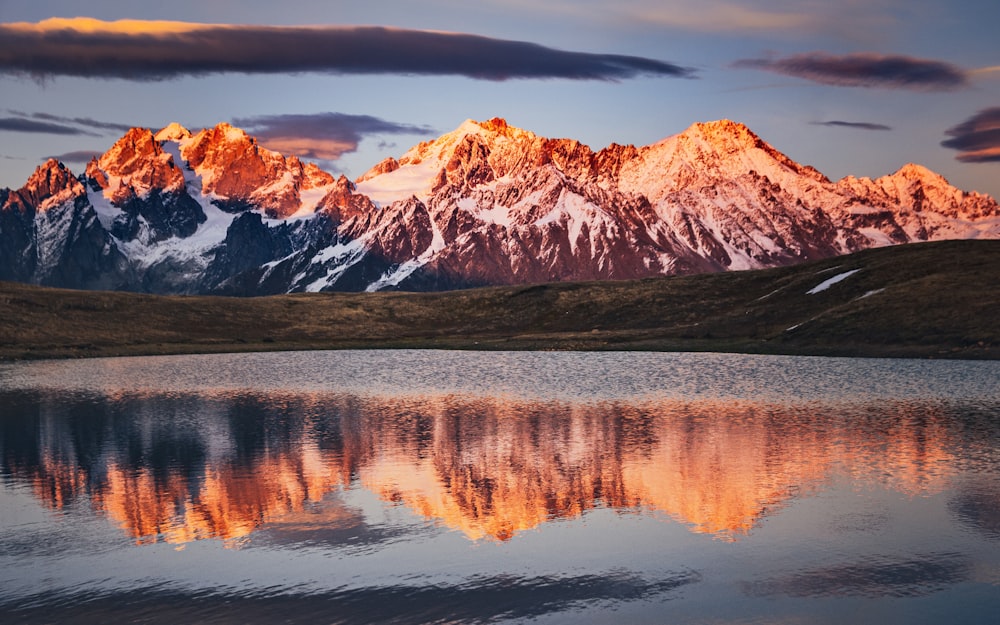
914,186
51,184
217,145
136,144
490,131
385,166
308,175
243,175
497,126
342,202
724,132
135,166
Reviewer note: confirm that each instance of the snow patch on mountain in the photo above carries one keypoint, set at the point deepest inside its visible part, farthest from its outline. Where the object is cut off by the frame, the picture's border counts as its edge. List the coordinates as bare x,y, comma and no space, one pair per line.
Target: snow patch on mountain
106,211
195,248
338,258
826,284
412,180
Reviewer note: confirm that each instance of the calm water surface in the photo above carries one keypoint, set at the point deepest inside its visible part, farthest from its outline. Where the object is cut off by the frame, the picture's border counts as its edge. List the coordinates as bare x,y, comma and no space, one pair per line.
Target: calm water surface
470,487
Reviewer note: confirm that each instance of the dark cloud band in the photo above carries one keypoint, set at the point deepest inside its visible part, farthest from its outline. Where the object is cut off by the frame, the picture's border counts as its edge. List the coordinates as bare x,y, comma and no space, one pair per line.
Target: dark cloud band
977,139
163,50
865,70
836,123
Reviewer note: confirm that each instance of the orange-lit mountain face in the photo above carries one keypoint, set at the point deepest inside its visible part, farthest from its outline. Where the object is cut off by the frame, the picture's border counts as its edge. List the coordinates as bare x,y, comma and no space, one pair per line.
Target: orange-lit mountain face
486,467
215,212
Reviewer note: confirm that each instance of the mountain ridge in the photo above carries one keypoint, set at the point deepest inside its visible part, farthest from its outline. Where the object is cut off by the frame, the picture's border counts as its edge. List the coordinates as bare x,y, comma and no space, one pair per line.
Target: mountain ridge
489,203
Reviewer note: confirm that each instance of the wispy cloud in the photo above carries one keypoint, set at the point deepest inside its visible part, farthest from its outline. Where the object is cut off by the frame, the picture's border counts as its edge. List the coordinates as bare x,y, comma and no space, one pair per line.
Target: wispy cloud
853,20
82,121
154,50
323,136
720,16
21,124
977,139
836,123
46,123
865,70
994,69
77,156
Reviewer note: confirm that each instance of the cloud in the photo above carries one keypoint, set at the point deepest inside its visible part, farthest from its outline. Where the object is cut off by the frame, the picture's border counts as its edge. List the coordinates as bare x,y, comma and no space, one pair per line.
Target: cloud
852,20
323,136
704,16
865,70
21,124
78,156
156,50
977,139
84,121
47,123
836,123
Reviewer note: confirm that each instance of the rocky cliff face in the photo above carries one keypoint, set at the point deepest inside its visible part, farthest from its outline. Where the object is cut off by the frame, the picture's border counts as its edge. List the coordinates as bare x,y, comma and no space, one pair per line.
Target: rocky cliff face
50,234
212,211
241,175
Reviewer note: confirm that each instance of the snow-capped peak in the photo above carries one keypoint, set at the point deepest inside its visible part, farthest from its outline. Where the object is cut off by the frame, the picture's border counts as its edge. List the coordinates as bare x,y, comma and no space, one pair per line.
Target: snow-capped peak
486,203
134,166
418,171
173,132
913,171
731,141
723,132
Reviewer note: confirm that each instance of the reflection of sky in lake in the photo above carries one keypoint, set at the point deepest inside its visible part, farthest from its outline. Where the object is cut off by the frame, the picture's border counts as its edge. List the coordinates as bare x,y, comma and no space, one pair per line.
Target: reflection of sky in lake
442,501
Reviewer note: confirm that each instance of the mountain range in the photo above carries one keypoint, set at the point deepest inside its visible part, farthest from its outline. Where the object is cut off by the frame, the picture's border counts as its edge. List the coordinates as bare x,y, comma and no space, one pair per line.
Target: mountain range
177,212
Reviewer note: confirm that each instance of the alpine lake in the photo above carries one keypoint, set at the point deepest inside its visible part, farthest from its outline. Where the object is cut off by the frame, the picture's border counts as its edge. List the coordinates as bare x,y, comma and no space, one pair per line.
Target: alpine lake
499,487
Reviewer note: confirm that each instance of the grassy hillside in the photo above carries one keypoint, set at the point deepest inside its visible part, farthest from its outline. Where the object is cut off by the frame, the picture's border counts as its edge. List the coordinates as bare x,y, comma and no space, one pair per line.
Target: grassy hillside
922,300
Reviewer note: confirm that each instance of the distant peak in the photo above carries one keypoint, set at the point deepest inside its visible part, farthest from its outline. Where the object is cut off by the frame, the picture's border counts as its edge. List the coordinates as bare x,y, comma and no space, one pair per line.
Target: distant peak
913,171
723,130
50,179
230,132
135,141
138,131
494,126
49,164
722,125
173,132
51,169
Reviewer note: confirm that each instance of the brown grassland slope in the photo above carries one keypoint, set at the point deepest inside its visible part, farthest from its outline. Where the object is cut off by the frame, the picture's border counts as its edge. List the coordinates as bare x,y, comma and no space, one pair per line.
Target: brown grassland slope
918,300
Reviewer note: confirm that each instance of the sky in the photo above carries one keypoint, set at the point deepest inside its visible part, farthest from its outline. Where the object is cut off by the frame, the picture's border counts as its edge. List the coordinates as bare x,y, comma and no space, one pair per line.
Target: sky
851,87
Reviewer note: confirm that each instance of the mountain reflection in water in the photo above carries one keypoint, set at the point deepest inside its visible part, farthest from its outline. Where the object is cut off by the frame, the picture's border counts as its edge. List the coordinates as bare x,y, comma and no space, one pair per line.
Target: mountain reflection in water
178,467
